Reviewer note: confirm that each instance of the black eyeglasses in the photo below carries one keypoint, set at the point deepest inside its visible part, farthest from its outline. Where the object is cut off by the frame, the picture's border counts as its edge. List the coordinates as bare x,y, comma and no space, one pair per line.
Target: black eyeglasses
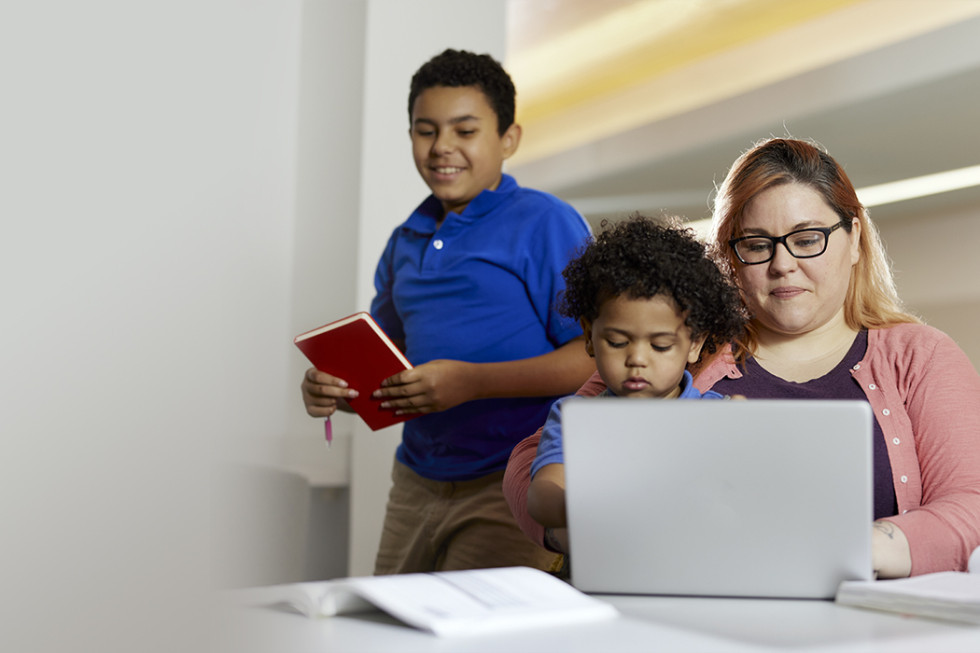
805,243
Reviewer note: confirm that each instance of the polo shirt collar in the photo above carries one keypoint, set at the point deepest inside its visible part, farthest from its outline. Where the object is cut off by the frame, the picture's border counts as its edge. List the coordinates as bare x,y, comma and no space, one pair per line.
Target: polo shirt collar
423,219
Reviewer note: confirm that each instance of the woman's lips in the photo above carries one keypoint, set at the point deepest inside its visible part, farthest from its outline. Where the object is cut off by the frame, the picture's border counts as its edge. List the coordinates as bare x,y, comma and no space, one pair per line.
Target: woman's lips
786,292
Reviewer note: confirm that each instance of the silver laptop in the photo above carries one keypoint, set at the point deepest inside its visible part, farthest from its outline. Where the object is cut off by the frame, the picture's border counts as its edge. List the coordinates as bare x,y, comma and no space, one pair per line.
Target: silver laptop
755,498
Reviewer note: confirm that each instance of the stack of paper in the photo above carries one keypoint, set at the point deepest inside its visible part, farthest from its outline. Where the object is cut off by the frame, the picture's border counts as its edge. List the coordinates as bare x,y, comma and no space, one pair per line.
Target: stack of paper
952,595
446,603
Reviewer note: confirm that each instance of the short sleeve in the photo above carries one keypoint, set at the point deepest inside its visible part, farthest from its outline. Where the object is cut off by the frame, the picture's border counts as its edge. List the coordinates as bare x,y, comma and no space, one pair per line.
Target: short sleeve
558,238
383,305
550,449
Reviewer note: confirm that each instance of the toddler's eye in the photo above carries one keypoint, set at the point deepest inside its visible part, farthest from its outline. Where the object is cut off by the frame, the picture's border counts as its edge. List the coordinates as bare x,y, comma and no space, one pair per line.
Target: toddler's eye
661,347
615,344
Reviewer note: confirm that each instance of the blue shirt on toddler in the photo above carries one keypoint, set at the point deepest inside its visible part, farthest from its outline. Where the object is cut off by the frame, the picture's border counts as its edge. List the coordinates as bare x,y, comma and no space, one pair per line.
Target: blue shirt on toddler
550,446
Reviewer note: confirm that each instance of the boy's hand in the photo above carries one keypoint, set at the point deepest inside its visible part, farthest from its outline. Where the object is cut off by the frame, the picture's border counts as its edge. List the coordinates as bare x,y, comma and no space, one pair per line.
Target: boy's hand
324,394
428,388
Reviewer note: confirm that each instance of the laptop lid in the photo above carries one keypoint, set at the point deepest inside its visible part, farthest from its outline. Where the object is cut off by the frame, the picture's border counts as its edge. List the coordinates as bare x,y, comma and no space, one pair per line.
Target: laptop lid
761,498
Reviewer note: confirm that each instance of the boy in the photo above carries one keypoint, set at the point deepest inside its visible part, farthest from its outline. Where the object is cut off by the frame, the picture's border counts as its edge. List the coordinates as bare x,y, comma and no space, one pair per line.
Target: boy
649,299
466,287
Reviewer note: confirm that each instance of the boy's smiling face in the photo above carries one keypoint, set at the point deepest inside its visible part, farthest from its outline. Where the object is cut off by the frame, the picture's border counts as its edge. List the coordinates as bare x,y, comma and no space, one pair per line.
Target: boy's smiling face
456,146
641,346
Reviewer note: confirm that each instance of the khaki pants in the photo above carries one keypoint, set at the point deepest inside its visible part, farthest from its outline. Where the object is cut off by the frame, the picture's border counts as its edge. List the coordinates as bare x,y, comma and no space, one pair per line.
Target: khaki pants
440,525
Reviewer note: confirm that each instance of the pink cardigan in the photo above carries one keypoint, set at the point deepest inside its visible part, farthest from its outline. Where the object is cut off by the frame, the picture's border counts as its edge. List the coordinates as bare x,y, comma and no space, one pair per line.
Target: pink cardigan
926,396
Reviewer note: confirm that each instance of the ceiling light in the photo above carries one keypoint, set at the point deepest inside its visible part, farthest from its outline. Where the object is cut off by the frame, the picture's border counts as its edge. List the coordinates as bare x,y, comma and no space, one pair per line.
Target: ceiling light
907,189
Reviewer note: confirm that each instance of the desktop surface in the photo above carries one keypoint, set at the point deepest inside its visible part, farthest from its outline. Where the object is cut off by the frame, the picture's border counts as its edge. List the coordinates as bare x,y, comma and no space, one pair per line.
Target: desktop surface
646,623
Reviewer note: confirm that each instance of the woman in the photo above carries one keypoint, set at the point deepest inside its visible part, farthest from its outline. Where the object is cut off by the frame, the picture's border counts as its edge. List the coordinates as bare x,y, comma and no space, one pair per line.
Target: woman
827,323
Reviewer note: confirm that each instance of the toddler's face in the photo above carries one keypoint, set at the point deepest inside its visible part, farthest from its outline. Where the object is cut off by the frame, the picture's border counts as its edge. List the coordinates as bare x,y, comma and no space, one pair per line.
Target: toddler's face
641,346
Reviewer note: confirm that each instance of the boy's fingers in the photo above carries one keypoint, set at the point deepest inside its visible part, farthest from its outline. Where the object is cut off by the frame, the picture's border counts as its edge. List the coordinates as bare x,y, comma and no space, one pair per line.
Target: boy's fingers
320,411
332,392
317,377
399,391
400,379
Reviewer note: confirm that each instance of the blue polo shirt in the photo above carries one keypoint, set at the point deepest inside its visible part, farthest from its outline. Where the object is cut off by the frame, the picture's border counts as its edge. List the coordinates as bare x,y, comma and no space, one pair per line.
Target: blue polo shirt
482,288
550,447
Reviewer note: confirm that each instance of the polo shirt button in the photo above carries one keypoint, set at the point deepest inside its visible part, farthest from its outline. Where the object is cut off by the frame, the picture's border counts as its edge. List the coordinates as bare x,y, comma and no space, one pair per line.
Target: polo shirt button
437,244
872,387
905,479
896,440
857,367
886,412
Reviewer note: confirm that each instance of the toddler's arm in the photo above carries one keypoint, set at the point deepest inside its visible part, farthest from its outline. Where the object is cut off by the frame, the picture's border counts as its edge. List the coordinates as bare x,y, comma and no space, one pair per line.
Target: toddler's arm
517,477
546,496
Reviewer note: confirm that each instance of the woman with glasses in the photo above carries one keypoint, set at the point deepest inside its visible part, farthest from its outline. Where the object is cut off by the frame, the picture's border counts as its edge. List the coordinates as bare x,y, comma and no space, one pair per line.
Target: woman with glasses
827,324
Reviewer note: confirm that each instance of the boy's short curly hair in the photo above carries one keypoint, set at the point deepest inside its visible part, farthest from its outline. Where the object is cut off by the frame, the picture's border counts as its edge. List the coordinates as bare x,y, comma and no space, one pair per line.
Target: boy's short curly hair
455,68
642,257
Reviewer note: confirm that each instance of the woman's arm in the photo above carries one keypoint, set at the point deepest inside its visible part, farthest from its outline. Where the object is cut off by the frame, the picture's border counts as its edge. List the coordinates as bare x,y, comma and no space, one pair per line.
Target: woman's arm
890,555
941,392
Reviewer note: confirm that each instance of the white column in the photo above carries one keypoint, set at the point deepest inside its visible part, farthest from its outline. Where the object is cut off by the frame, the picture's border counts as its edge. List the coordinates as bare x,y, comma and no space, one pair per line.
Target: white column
401,36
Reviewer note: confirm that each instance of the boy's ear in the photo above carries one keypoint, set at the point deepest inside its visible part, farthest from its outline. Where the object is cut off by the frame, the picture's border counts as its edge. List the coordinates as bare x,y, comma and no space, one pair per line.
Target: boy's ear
587,332
695,353
510,139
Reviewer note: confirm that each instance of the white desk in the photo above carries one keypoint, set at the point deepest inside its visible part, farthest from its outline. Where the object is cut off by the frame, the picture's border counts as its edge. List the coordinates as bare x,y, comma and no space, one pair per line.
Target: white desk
647,624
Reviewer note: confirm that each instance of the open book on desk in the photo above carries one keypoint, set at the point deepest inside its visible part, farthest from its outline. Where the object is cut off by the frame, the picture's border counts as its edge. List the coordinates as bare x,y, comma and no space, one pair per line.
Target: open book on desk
357,350
447,602
951,595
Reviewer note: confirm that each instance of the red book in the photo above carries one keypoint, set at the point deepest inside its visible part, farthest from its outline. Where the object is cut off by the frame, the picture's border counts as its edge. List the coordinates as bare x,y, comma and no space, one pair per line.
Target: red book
356,350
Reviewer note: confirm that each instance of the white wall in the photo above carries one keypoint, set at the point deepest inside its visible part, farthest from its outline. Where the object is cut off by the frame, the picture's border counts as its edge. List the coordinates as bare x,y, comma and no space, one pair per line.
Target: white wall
935,263
148,161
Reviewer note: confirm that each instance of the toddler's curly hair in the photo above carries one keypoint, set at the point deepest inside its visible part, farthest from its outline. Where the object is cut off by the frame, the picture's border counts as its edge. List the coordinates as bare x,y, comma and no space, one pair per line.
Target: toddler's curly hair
642,257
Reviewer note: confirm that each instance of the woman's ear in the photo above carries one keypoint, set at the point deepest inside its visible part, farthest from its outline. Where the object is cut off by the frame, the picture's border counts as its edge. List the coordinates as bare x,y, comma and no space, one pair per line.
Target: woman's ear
587,332
855,236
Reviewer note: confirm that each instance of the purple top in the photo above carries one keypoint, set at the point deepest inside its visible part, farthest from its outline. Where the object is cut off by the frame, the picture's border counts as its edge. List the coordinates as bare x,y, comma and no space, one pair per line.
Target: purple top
757,383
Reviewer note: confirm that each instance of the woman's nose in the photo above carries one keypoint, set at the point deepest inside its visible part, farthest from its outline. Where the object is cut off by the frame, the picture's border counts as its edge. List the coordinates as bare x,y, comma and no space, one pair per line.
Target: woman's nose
782,260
